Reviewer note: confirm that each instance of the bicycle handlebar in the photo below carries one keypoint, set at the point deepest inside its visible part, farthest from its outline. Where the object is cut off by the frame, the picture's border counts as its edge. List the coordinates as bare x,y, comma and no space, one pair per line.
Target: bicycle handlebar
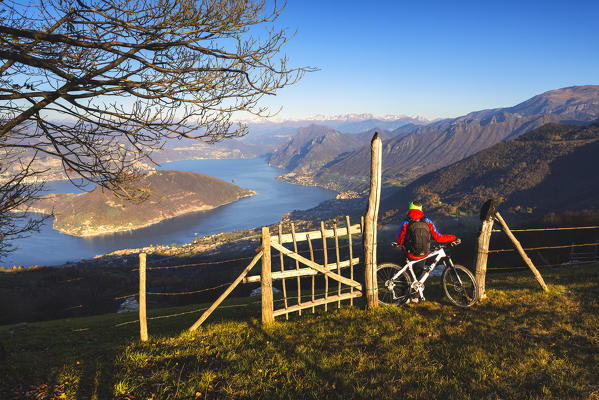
456,242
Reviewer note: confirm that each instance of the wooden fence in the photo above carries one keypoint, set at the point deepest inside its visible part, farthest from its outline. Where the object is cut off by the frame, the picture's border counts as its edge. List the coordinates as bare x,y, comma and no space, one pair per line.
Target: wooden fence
309,268
489,215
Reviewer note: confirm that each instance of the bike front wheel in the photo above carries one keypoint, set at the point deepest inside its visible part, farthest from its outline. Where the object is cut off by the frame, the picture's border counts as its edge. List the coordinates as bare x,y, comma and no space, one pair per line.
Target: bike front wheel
459,286
392,291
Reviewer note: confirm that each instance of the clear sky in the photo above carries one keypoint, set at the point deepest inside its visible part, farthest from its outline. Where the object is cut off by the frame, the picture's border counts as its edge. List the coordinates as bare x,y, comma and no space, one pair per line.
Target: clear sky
435,59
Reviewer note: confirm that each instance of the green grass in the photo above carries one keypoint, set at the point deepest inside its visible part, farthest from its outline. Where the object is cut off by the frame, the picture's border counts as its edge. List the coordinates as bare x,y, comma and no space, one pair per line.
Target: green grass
521,343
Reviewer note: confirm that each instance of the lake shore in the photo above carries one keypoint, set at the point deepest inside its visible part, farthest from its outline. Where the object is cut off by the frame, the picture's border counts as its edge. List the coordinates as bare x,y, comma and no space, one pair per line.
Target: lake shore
272,201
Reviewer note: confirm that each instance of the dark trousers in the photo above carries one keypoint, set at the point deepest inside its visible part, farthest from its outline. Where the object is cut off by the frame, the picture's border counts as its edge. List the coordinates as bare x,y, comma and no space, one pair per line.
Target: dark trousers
418,268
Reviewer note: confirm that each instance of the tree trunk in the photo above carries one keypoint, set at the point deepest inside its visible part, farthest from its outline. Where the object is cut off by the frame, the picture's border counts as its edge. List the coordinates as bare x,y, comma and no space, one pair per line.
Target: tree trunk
487,213
481,257
370,223
266,280
143,323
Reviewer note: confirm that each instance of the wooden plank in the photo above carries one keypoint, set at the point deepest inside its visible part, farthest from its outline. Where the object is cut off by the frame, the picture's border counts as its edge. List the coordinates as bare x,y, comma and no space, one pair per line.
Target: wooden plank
326,262
143,322
351,258
316,266
313,276
302,236
266,280
522,253
283,270
299,286
223,296
291,273
337,259
318,302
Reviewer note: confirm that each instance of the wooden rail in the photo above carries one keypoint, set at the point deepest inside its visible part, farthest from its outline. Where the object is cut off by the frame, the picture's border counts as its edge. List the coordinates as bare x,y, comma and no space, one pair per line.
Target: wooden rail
303,271
317,267
223,296
303,236
317,302
311,268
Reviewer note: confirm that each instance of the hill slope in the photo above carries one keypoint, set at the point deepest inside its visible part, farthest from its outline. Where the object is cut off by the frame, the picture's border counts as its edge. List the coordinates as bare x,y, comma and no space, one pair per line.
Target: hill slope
552,168
519,343
441,143
173,193
312,147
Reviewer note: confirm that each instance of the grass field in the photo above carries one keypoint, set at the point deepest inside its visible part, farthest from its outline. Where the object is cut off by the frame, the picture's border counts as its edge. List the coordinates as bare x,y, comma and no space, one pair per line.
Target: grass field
519,344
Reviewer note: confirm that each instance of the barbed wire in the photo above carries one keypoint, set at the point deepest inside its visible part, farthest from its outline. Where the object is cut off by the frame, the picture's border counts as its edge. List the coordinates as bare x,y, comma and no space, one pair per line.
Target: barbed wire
204,263
73,307
545,247
546,265
249,238
185,313
73,280
548,229
124,297
188,292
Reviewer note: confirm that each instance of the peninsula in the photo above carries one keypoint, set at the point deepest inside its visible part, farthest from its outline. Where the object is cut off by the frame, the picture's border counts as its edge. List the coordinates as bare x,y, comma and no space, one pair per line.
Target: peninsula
172,193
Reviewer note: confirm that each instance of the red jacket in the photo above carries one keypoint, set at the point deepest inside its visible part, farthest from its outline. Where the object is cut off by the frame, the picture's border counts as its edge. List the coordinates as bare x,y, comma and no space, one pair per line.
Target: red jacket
415,215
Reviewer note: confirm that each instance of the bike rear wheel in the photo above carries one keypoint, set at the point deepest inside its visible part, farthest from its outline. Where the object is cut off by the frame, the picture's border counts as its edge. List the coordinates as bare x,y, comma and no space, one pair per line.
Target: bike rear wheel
459,286
392,291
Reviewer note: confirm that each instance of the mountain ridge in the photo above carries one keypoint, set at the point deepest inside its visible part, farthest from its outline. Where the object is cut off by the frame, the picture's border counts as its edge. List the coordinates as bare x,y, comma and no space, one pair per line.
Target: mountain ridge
539,171
427,148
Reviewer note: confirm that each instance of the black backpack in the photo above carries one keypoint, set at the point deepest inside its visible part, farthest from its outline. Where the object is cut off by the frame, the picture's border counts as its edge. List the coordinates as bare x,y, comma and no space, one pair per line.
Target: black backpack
418,238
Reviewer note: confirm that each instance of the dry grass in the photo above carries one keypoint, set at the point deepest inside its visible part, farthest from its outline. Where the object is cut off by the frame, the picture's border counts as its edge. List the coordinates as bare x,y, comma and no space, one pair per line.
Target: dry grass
520,344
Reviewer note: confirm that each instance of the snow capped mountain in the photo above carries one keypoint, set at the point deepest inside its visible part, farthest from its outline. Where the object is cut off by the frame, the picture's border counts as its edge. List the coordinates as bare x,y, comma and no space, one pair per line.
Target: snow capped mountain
352,117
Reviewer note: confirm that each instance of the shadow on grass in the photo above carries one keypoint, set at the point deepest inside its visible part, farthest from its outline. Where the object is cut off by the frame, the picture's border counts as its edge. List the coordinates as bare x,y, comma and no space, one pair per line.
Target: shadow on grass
329,377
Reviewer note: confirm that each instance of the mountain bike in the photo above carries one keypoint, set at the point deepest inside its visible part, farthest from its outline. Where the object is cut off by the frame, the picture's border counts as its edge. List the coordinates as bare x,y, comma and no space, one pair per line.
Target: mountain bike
399,285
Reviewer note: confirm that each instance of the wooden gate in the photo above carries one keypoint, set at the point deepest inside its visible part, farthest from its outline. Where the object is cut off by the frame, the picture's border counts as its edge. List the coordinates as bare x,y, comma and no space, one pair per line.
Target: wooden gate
310,268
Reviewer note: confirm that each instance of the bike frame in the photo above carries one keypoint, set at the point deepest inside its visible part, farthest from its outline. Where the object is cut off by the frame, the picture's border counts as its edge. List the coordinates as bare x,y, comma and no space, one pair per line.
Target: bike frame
418,284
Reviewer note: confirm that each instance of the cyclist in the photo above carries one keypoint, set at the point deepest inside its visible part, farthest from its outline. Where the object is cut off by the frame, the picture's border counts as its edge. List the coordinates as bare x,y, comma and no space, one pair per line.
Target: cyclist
415,236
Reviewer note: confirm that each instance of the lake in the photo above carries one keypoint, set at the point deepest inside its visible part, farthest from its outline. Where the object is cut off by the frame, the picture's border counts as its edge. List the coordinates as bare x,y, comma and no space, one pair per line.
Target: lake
273,199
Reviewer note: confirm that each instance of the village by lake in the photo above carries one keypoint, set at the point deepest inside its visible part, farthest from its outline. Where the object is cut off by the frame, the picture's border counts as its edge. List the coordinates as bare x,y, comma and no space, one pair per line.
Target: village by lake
273,199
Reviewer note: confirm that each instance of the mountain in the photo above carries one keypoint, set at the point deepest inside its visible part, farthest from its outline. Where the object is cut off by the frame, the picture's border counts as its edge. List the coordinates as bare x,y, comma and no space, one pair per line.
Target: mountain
273,132
418,150
312,147
550,169
172,193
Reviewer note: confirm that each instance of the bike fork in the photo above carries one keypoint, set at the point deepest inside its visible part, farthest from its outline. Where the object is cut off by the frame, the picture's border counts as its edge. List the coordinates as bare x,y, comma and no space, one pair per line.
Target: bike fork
450,264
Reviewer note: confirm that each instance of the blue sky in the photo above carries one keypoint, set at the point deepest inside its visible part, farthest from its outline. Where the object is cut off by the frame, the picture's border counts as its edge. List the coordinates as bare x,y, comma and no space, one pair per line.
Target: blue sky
434,59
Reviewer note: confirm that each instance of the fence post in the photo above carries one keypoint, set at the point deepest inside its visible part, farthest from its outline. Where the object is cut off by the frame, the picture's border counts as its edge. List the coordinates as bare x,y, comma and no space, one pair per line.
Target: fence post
143,323
370,223
487,213
521,251
266,279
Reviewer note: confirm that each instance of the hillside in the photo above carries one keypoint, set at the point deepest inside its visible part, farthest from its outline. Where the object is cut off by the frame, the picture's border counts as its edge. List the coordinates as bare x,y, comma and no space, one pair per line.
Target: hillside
312,147
521,343
552,168
172,193
430,147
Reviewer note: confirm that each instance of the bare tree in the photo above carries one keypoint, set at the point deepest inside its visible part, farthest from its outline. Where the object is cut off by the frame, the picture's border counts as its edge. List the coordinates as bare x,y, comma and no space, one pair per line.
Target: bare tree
100,84
17,189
